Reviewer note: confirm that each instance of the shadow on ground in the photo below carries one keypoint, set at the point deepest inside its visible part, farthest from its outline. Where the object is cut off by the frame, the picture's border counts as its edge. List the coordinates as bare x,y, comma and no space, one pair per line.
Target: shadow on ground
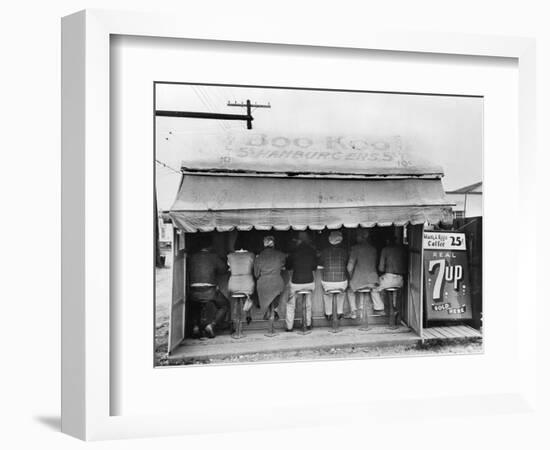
51,422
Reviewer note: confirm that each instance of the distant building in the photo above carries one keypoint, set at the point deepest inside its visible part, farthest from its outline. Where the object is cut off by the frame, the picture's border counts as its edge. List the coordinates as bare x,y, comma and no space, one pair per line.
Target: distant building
165,228
468,200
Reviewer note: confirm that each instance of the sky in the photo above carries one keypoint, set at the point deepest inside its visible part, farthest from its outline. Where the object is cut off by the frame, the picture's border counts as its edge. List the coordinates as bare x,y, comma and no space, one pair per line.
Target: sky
446,131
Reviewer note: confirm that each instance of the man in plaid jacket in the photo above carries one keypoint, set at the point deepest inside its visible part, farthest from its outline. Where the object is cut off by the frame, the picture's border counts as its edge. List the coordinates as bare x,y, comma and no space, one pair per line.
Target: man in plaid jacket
334,260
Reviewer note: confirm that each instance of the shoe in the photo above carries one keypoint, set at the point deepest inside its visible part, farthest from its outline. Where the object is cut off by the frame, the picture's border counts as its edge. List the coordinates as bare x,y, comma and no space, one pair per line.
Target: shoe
329,317
353,315
275,315
288,331
209,331
309,327
248,320
340,316
196,333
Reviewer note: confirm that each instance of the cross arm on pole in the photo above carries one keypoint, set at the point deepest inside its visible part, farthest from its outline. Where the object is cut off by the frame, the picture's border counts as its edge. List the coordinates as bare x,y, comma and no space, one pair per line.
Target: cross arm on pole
203,115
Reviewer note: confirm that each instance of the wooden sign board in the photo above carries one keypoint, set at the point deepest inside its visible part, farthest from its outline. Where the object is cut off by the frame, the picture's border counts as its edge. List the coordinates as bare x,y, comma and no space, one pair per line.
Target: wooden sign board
342,155
446,276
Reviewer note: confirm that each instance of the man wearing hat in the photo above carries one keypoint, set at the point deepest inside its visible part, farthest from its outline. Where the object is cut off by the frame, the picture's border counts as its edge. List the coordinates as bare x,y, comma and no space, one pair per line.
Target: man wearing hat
333,276
267,270
363,272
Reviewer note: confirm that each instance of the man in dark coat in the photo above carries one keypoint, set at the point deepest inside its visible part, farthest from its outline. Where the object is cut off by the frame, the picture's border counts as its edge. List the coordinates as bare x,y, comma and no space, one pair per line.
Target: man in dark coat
267,270
208,306
303,263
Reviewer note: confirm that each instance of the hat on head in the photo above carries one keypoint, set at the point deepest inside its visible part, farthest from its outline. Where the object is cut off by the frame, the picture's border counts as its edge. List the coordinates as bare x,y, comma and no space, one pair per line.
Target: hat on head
362,235
335,237
269,241
303,236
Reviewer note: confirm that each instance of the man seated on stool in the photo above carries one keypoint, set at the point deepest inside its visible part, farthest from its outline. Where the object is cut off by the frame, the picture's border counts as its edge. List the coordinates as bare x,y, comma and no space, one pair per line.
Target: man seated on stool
363,274
204,268
303,262
334,260
392,265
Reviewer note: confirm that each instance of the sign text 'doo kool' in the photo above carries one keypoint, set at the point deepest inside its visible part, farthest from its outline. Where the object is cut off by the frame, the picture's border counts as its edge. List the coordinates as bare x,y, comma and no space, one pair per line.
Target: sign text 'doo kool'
334,148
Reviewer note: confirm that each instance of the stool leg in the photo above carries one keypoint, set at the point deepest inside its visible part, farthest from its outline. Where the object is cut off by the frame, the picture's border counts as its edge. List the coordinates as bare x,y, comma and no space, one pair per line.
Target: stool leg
238,320
392,311
271,326
304,315
335,320
202,321
391,318
240,329
304,312
397,308
365,324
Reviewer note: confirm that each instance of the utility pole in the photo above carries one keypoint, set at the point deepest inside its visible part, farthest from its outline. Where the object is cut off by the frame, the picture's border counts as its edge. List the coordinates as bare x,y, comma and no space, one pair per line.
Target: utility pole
248,105
219,116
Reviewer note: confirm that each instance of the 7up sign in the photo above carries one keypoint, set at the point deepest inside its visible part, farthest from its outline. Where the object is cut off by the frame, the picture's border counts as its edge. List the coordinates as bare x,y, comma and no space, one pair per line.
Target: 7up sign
446,276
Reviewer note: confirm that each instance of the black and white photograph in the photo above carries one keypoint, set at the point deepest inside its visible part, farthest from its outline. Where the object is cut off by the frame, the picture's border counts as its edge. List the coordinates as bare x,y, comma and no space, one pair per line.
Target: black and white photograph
299,224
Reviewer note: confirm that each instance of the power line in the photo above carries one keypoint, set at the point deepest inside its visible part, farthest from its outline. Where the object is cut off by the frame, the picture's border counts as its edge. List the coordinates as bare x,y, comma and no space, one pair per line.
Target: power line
205,101
167,166
163,171
207,97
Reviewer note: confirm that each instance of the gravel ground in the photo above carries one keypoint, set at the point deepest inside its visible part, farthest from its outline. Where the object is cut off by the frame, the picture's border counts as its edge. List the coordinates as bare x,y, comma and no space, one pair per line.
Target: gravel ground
163,294
162,306
338,353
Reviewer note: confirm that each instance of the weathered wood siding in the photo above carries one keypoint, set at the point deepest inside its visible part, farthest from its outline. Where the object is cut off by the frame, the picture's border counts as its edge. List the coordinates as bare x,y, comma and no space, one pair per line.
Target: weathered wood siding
177,310
414,313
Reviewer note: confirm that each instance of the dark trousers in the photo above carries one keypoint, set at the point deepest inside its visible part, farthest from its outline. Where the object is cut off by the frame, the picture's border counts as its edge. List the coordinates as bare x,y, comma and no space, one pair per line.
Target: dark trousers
207,306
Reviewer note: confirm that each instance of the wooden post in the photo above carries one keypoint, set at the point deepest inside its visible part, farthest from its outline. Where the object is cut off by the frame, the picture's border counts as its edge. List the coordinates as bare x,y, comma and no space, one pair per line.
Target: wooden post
421,325
249,114
176,330
158,261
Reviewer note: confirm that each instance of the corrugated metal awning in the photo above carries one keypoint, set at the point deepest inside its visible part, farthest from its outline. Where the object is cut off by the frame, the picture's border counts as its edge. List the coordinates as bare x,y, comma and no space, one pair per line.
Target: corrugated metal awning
222,203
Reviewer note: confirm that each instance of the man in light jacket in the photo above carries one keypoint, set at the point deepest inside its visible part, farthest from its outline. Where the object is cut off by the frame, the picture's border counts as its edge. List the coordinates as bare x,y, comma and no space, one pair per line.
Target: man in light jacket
363,273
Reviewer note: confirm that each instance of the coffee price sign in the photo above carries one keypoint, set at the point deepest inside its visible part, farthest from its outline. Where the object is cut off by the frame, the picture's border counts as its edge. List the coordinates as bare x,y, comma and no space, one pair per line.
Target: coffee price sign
446,276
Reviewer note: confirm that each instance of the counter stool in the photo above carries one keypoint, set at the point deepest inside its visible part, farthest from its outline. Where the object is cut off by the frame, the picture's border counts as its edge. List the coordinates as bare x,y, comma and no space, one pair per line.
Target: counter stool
335,320
365,294
271,323
393,291
203,320
238,320
303,293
